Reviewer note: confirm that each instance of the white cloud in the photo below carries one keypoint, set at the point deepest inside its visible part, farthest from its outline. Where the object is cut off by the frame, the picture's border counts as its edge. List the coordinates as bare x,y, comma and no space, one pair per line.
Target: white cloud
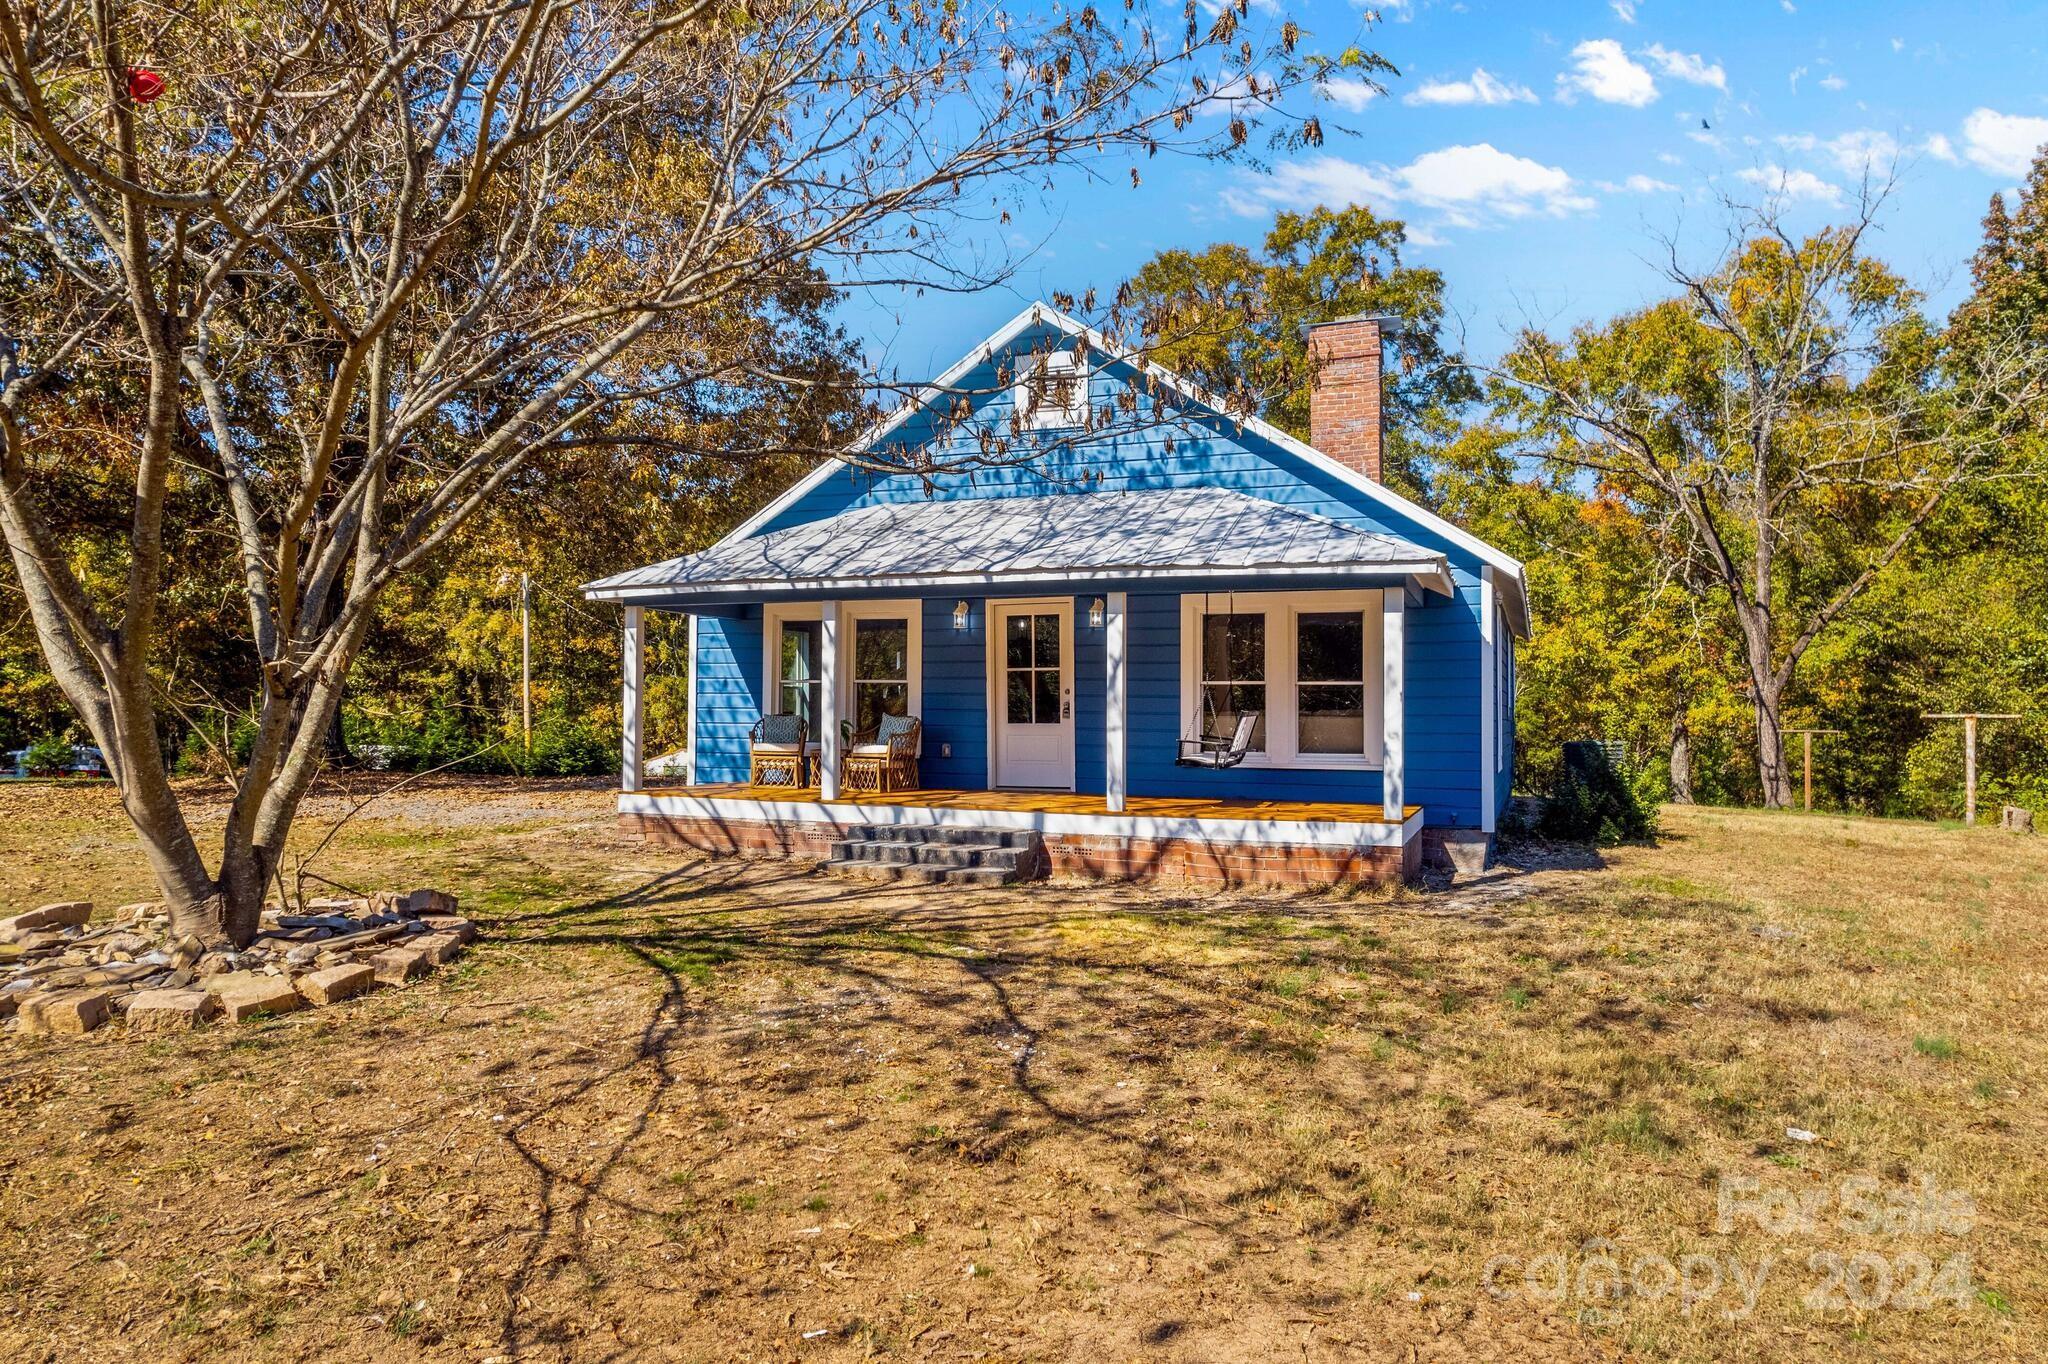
1867,151
1687,66
1941,149
1483,88
1797,72
1792,184
1833,82
1352,94
1670,158
1470,185
1624,10
1898,44
2003,144
1601,69
1636,184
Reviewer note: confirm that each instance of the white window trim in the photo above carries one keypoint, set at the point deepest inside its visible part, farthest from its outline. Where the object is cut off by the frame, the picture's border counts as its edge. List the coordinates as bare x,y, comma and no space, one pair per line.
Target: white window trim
910,609
1046,416
1283,611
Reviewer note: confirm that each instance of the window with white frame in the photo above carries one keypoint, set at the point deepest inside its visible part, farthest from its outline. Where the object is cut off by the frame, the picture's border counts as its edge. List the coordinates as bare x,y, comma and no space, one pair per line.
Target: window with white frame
877,667
881,670
1053,391
1308,662
798,672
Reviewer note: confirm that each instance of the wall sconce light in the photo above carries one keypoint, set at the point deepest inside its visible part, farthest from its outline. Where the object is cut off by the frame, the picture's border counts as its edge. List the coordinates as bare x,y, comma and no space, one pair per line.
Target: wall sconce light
1097,613
960,615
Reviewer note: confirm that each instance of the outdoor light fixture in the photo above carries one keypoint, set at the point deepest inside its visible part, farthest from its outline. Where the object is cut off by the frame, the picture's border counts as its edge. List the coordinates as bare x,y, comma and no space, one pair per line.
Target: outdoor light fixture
960,615
1096,613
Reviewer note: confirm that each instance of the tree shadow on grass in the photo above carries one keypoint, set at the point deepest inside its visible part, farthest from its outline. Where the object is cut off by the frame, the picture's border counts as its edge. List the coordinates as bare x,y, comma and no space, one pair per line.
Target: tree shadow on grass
1016,969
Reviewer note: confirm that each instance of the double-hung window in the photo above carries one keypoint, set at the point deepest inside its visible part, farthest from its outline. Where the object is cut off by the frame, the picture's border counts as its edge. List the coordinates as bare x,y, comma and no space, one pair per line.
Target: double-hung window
1307,662
881,670
797,671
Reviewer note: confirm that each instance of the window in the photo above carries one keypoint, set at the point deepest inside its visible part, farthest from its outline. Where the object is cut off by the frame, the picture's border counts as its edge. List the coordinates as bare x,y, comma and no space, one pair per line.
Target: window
881,670
1234,673
1307,662
797,671
1330,682
1053,391
1031,667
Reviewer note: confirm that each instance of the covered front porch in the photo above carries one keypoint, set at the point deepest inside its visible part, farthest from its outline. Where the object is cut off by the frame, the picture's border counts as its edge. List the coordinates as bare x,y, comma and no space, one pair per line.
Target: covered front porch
1060,656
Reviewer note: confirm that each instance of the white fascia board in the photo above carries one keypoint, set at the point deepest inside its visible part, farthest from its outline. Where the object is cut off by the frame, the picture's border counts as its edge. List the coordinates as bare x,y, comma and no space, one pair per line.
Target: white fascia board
1431,574
1039,312
1307,833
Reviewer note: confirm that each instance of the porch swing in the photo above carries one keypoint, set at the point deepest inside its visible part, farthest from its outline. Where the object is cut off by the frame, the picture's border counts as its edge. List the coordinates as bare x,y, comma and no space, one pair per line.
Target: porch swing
1204,745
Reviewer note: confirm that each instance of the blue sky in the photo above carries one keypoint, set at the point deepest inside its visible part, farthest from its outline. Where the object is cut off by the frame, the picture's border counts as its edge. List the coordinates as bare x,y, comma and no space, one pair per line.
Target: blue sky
1538,152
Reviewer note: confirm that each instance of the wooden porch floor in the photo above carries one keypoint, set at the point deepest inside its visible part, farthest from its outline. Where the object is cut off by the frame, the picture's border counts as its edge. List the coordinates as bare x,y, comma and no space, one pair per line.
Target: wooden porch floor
1056,803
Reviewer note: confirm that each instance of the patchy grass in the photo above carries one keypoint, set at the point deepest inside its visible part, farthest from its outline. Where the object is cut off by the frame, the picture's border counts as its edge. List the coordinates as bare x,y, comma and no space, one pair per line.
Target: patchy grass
670,1105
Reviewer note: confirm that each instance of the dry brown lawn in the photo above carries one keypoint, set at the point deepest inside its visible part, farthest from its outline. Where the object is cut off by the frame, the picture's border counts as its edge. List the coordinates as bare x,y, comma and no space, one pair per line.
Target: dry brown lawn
685,1109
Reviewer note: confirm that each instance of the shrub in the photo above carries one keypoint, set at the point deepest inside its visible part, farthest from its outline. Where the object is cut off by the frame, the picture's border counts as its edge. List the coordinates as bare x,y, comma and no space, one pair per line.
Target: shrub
48,756
1592,803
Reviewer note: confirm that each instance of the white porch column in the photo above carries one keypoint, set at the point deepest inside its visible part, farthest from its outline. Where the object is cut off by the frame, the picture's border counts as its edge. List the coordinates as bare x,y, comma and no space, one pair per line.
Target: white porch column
1489,699
632,767
1393,736
828,700
1115,724
690,714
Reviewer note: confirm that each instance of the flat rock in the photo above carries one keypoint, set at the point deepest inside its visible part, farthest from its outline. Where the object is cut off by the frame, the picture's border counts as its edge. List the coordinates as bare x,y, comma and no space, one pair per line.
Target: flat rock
337,983
462,928
63,914
397,965
169,1010
245,994
66,1011
439,948
418,902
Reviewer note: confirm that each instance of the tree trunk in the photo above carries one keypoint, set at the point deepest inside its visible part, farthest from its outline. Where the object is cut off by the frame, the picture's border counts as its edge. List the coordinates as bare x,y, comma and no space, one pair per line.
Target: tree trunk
1681,759
1770,748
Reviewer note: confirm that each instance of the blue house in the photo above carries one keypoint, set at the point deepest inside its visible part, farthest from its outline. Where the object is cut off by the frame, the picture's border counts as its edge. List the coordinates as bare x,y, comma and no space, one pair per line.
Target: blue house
1138,636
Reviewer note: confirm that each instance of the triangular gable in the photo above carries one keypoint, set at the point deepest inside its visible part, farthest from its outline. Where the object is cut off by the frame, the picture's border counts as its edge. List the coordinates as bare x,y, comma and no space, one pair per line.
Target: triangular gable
1258,439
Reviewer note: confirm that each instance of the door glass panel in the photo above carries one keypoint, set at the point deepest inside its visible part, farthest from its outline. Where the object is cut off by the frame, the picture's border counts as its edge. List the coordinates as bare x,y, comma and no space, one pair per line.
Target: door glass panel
1017,642
1045,634
1018,710
1046,695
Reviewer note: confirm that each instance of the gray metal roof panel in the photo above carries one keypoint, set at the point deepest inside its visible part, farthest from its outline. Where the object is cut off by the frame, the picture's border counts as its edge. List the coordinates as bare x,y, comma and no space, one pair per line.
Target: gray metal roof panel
1196,529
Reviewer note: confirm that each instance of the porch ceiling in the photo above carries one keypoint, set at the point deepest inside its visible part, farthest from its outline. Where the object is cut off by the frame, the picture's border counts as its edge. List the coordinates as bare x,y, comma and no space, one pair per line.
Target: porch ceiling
1192,534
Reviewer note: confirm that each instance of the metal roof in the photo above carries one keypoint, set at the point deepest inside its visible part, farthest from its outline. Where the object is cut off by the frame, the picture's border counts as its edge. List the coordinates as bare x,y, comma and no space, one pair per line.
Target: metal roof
1171,534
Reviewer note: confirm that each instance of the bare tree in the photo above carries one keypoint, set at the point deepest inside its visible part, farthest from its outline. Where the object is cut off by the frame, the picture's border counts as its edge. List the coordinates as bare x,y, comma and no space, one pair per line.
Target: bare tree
1789,421
355,265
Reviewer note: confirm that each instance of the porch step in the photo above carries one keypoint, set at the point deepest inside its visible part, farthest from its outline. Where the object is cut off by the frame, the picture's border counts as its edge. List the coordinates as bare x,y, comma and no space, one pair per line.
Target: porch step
924,855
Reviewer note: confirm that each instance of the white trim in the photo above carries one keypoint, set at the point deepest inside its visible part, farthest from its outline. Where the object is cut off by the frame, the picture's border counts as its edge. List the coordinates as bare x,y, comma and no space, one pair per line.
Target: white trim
1489,699
1115,706
1037,312
1301,833
1044,415
1431,573
690,714
828,699
632,696
1393,725
1283,730
995,701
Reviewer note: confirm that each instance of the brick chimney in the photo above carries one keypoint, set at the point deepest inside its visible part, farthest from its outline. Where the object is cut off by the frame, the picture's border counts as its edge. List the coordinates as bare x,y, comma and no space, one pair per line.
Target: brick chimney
1344,417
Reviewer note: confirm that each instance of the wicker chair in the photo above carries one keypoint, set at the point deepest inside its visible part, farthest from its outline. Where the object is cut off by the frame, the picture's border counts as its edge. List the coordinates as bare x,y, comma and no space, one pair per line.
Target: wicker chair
885,760
775,751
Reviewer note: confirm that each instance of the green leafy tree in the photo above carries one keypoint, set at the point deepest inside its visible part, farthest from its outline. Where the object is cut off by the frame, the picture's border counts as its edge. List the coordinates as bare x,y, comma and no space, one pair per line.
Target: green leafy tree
1236,321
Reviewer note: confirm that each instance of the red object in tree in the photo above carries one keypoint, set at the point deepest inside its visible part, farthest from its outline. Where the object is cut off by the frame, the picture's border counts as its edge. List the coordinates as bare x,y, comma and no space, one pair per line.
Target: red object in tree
144,85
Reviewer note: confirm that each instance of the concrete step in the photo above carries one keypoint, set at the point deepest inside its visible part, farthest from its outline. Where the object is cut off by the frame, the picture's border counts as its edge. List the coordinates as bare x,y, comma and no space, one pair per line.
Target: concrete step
913,874
893,853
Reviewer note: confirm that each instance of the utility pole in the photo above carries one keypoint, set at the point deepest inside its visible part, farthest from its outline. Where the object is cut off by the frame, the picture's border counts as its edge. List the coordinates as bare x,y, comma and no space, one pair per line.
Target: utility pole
1806,742
1969,719
526,661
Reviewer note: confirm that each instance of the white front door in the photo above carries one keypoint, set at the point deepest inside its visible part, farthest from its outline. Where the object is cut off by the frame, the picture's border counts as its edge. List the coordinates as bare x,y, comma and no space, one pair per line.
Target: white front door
1033,693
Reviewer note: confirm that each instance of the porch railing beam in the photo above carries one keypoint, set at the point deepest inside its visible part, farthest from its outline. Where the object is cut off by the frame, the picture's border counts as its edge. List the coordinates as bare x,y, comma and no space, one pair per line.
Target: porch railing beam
828,700
632,761
1116,726
1393,710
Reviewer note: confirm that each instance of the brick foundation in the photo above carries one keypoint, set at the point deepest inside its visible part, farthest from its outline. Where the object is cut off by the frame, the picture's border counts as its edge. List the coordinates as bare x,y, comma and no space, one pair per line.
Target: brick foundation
1093,856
